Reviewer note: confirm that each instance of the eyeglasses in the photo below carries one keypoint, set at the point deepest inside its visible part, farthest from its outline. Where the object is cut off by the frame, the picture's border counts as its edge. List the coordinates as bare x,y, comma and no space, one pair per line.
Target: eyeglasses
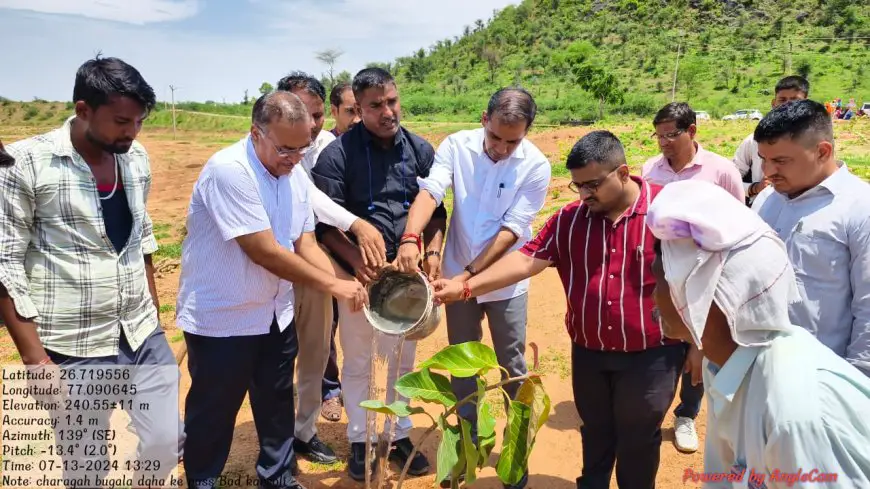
592,186
671,136
285,152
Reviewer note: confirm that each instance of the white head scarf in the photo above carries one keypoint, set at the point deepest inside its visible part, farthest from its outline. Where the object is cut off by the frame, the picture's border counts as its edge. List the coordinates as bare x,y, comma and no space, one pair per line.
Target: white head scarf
716,249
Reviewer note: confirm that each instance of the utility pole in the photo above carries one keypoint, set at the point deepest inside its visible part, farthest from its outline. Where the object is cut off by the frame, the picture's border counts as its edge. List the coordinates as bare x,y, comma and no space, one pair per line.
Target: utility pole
788,71
173,88
677,68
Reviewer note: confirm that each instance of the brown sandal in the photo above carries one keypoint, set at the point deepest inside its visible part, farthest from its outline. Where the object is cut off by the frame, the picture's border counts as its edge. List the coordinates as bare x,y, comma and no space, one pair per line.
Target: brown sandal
331,409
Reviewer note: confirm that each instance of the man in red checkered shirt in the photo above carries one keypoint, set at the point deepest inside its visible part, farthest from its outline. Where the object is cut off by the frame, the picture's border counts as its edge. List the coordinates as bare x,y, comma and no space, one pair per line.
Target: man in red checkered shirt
624,370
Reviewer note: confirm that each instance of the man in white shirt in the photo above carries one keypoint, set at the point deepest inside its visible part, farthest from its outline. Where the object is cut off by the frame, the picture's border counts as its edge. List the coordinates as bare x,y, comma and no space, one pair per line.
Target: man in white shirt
724,282
499,182
822,212
250,239
746,158
314,308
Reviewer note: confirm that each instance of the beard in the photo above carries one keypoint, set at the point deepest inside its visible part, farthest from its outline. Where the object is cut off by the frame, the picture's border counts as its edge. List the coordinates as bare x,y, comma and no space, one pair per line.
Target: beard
117,147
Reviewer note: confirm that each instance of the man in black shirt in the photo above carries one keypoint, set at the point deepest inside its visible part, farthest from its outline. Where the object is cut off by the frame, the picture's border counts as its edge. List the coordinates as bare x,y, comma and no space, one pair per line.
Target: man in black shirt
372,171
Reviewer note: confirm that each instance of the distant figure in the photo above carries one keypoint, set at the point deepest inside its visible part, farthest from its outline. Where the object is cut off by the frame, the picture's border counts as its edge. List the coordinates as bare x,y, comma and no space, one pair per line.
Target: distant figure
342,104
746,158
822,212
684,159
724,282
499,181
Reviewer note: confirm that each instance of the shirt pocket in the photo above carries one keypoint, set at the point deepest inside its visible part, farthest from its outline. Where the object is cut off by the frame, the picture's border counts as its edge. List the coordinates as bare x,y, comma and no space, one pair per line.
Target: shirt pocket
819,260
501,200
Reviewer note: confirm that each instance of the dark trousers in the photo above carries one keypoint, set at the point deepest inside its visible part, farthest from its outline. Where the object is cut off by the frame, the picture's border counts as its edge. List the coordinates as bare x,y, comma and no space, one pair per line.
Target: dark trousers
154,373
331,384
222,371
622,399
690,396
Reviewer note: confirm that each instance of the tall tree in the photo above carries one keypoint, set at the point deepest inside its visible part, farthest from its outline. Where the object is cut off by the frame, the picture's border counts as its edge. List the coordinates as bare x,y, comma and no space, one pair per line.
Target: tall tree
329,57
265,88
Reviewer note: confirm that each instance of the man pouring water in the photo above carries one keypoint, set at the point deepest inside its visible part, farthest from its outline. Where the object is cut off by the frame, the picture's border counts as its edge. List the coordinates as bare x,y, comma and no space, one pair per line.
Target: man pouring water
499,181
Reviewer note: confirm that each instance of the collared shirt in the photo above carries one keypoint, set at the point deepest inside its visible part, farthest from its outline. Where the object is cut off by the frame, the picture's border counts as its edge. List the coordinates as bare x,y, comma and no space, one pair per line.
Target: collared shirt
376,184
325,210
748,162
222,292
827,233
56,259
605,267
790,407
487,196
705,165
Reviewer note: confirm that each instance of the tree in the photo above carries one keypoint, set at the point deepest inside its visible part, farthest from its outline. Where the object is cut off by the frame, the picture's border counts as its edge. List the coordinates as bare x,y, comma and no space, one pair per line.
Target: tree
493,60
689,76
329,57
246,99
265,88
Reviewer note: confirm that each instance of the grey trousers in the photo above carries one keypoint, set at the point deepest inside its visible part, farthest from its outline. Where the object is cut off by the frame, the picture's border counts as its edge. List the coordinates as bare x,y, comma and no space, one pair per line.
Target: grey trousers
507,325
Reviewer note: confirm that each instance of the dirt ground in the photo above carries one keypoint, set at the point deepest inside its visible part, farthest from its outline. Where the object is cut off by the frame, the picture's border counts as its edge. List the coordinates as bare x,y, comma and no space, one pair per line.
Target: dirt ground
556,460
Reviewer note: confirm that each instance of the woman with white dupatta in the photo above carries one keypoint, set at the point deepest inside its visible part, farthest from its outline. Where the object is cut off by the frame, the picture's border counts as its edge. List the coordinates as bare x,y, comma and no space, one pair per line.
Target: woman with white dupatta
783,409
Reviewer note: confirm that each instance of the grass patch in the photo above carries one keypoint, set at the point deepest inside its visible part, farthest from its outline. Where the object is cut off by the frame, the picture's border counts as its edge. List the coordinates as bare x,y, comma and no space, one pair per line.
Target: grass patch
178,336
168,250
160,236
161,227
555,362
167,308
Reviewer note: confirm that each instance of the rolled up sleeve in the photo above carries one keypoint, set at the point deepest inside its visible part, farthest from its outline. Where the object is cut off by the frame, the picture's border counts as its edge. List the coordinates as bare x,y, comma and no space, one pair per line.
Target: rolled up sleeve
328,177
233,202
858,348
17,203
528,201
327,211
545,245
440,177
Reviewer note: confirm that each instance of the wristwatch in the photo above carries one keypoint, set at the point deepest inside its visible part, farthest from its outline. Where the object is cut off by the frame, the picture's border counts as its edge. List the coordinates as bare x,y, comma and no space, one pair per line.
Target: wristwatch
432,253
470,269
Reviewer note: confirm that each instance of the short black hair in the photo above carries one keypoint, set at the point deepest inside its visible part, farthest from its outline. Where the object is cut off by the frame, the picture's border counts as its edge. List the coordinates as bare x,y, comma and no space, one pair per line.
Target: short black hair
100,78
677,112
371,78
299,80
337,92
511,105
793,82
657,247
6,159
602,147
793,120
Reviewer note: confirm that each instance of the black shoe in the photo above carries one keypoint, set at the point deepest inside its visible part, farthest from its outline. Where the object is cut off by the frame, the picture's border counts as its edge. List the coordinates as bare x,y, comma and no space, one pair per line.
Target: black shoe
315,450
402,450
356,462
289,482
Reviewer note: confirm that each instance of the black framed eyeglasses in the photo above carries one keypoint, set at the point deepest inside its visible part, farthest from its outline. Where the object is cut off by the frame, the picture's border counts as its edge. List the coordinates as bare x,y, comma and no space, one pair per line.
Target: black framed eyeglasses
285,152
592,186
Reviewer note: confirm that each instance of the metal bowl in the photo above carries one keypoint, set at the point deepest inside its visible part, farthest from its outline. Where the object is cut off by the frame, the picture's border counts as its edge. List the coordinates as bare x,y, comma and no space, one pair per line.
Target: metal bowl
402,304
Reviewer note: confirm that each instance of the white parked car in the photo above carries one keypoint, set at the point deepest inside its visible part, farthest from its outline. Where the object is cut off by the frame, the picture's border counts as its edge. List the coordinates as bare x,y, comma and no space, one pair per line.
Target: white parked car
702,116
752,114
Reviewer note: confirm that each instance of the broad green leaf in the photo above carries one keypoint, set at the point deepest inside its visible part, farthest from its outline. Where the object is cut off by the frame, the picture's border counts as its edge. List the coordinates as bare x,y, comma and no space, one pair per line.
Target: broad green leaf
485,424
448,450
514,456
469,451
531,393
463,360
398,408
426,386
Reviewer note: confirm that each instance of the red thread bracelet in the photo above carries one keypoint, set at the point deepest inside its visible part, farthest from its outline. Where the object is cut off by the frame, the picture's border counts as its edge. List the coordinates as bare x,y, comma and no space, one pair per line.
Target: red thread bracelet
466,291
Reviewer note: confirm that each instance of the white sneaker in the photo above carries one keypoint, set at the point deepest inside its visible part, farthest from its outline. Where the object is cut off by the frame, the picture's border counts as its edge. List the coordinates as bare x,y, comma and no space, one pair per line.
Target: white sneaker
685,436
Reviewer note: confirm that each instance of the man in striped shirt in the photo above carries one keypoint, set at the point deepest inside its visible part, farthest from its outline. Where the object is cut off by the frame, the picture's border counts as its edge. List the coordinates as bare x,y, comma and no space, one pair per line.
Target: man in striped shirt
625,371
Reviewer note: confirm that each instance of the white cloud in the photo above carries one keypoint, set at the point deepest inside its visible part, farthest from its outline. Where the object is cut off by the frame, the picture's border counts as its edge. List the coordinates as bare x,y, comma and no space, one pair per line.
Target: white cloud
127,11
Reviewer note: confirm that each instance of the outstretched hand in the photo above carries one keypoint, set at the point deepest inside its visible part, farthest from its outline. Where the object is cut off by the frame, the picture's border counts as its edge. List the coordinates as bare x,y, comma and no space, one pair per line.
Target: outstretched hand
447,291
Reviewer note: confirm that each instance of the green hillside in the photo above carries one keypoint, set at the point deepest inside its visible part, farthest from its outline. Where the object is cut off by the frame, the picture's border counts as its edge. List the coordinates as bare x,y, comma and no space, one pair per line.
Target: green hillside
731,54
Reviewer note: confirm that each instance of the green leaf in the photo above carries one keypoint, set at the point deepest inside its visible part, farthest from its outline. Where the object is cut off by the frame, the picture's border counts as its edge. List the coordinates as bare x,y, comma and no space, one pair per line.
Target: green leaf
485,424
448,450
426,386
472,456
463,360
398,408
531,393
514,456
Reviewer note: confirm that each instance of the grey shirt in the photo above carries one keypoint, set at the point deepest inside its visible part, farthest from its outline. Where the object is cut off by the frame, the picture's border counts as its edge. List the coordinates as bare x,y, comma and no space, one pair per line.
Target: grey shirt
827,233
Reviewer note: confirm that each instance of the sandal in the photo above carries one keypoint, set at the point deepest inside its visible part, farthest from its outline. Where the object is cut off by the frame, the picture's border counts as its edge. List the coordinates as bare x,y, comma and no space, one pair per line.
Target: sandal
331,409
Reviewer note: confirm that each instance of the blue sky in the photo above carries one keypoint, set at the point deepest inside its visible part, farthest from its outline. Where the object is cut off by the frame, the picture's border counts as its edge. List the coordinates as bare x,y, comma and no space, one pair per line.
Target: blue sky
214,49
